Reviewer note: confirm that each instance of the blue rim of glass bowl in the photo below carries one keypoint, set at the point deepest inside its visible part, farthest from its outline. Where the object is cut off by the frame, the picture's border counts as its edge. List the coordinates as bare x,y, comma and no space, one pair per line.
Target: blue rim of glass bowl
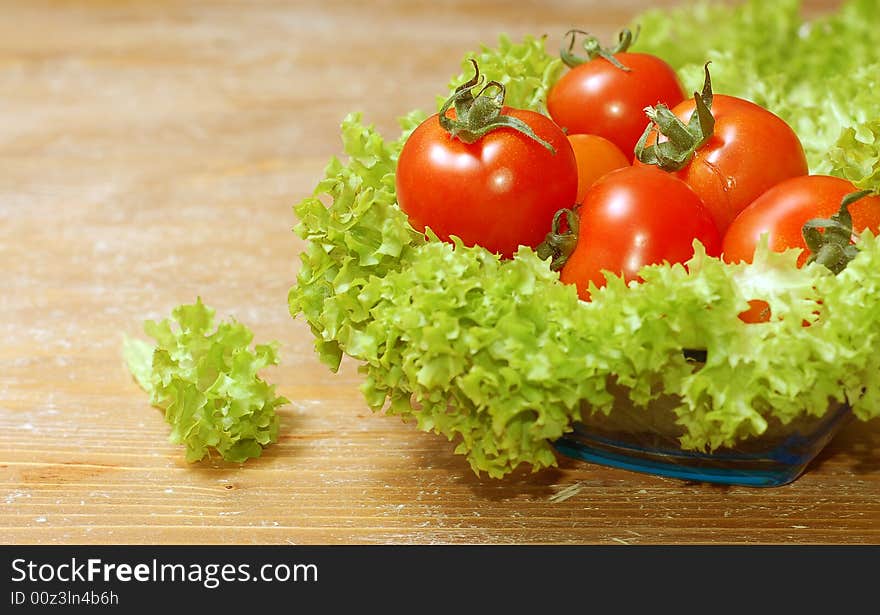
776,466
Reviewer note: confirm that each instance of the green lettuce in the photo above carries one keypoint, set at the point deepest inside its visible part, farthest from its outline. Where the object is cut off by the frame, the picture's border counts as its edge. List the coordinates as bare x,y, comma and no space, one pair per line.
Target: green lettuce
362,234
527,71
502,359
856,155
206,379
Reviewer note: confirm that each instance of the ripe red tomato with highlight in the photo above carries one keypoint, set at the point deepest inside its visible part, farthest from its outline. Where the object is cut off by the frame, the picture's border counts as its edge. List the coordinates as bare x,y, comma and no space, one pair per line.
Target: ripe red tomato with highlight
499,192
750,151
782,211
595,157
633,217
601,99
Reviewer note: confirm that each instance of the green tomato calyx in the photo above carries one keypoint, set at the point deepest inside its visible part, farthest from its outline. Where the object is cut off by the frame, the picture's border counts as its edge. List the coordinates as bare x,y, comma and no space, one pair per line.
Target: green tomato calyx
477,115
682,140
560,243
593,48
832,246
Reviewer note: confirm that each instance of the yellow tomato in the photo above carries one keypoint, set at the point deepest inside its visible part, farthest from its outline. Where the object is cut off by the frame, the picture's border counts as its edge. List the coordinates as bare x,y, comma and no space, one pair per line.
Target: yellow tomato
595,157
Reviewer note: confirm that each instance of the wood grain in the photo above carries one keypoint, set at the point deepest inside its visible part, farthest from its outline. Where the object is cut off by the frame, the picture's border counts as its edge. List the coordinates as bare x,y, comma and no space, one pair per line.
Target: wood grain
150,153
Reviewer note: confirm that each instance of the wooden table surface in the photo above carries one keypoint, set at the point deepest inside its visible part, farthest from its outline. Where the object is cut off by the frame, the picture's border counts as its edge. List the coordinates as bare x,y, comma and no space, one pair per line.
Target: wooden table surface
151,152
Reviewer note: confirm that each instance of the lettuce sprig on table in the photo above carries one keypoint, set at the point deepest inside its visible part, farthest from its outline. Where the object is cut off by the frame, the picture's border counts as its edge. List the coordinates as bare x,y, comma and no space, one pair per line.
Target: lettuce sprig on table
501,358
206,379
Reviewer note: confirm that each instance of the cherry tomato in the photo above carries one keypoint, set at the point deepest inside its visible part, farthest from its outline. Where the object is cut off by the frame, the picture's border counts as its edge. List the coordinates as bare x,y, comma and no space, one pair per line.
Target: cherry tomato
601,99
759,311
633,217
750,151
595,157
499,192
782,211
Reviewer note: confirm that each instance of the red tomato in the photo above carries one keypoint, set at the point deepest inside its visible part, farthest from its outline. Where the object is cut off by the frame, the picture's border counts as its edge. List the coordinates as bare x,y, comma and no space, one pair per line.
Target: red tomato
759,311
750,151
782,211
595,157
499,192
634,217
599,98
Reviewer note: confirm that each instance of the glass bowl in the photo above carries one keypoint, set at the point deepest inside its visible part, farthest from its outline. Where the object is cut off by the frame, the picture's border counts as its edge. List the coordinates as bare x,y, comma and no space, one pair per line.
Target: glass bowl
647,440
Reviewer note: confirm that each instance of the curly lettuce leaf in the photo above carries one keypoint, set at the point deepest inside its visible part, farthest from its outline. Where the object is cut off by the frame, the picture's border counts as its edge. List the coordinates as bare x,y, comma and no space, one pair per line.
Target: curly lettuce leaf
751,371
856,156
526,70
479,363
684,35
206,379
502,359
852,327
362,233
138,355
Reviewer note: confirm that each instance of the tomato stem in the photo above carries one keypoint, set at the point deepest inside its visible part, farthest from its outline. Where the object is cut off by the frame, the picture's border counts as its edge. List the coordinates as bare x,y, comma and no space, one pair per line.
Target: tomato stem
593,48
477,115
682,140
832,245
559,243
